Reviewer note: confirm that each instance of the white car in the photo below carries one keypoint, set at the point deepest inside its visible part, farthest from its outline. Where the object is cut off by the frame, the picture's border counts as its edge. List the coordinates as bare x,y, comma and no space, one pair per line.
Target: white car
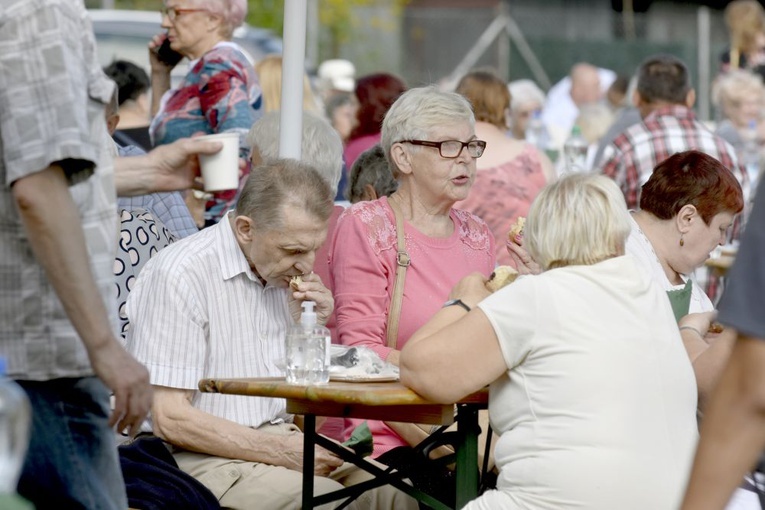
124,35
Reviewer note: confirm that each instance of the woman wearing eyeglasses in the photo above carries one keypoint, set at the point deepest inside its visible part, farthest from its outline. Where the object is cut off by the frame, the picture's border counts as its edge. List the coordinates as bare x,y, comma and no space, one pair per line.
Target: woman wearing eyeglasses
511,172
429,140
220,92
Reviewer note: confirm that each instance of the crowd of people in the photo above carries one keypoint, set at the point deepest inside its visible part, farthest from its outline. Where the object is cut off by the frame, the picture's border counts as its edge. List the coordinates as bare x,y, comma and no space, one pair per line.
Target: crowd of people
123,283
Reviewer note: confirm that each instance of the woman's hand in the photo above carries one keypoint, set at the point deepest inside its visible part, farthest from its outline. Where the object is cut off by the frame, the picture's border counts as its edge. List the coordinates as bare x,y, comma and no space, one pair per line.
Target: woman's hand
699,322
312,289
471,289
524,264
157,65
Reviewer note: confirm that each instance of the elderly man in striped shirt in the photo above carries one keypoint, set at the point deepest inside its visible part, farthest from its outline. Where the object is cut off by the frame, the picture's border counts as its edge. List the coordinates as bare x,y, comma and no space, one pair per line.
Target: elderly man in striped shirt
218,304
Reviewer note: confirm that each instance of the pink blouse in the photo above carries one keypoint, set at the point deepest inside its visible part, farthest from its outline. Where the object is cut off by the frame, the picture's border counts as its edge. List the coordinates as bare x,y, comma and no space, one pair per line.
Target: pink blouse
502,193
363,268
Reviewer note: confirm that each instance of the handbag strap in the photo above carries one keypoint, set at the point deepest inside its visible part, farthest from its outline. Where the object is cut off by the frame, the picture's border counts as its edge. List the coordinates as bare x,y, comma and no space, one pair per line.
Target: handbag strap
402,262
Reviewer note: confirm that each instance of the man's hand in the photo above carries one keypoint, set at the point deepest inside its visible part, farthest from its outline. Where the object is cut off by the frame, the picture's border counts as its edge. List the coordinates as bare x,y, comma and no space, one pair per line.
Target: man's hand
312,289
291,457
171,167
128,380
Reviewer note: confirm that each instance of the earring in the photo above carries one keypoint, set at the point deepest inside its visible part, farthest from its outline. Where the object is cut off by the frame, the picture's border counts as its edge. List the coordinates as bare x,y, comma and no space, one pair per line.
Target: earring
682,242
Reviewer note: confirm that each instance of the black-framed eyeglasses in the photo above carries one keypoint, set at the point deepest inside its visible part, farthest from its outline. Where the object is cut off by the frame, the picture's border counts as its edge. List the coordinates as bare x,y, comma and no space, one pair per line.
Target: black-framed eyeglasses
453,148
172,12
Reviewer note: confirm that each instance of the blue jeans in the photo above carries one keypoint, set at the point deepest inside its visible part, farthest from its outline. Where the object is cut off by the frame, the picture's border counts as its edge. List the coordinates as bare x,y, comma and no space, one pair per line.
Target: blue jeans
72,460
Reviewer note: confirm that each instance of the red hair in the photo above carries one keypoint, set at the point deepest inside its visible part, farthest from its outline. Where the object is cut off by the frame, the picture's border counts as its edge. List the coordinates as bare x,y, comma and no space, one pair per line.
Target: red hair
376,93
691,178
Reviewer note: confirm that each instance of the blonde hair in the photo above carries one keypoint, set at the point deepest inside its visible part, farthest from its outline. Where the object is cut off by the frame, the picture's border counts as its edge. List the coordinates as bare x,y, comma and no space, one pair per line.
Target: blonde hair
745,19
580,219
269,71
732,87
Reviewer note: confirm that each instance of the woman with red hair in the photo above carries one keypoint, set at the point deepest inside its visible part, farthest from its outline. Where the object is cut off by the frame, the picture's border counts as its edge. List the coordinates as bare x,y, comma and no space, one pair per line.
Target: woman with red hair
375,94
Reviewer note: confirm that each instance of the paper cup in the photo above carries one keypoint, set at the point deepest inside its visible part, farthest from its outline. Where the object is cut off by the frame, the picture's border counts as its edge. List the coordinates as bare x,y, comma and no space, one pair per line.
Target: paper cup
220,171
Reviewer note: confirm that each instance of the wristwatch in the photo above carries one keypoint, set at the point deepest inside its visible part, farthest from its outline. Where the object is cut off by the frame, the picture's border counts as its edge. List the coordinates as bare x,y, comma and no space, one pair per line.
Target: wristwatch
457,302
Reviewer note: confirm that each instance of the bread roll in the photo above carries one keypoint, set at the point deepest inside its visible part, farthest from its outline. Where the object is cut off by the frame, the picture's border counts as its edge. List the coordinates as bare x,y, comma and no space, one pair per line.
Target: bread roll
501,276
516,231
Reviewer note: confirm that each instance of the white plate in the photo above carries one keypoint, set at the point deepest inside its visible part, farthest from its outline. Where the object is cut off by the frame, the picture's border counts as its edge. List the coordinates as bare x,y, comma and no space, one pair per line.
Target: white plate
363,378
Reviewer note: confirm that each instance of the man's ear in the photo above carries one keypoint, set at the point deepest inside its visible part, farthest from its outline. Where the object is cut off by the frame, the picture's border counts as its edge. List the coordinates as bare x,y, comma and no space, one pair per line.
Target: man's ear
690,98
243,227
111,122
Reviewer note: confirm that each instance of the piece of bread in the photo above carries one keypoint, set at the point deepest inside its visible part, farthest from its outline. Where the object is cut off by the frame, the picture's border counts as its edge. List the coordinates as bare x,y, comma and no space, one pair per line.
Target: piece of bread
516,230
502,275
295,281
716,327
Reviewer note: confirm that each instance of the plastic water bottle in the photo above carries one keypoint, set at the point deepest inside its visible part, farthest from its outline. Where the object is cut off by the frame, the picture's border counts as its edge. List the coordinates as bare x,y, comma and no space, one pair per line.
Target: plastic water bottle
308,349
536,132
575,151
15,416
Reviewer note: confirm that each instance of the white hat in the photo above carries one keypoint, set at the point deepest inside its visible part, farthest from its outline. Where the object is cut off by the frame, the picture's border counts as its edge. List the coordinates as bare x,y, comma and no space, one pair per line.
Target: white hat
338,74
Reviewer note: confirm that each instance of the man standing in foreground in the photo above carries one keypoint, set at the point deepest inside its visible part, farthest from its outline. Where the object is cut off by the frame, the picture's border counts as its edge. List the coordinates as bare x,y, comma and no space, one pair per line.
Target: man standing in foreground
57,238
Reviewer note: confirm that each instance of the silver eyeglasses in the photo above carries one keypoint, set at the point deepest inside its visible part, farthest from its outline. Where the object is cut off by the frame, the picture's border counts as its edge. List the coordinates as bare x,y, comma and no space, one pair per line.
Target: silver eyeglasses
453,148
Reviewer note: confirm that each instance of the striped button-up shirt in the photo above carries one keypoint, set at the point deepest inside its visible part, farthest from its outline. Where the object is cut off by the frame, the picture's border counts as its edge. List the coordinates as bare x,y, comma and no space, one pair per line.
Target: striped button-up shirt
198,310
631,157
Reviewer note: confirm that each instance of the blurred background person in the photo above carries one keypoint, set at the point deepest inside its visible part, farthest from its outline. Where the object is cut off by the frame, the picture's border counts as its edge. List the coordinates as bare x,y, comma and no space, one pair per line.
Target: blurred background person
370,177
525,99
134,105
616,95
745,20
510,173
624,117
220,92
336,76
593,120
585,84
429,139
739,97
590,387
340,110
375,93
269,71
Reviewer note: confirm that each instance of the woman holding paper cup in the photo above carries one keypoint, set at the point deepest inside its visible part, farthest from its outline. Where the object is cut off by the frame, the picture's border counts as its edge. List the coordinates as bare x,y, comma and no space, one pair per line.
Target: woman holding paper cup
219,96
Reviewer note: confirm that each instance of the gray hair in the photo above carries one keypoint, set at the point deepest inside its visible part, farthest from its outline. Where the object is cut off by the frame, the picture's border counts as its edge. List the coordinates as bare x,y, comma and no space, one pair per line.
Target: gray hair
417,112
321,147
524,91
232,12
735,85
276,183
371,167
580,219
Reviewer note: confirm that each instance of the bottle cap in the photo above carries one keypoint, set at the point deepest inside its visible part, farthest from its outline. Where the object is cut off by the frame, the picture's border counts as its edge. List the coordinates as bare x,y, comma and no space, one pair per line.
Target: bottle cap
308,317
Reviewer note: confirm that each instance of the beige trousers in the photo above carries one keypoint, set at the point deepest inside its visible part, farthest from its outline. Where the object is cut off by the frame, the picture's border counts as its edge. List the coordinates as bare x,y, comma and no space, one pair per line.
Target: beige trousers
242,485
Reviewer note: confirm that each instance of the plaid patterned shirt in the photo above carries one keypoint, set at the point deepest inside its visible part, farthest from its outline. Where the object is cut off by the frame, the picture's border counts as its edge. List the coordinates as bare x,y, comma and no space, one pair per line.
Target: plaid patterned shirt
52,99
631,157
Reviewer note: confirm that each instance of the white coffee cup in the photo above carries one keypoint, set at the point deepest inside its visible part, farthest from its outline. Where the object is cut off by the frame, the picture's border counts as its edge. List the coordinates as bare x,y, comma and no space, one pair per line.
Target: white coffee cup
220,171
